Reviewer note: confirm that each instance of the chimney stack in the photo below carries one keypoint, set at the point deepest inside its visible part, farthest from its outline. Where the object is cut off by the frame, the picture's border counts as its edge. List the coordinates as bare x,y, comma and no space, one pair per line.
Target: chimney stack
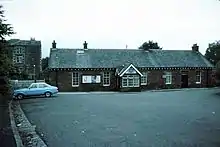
85,45
195,48
54,44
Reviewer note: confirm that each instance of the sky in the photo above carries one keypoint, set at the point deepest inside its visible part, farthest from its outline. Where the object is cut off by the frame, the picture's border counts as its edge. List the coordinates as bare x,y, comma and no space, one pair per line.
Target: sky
113,24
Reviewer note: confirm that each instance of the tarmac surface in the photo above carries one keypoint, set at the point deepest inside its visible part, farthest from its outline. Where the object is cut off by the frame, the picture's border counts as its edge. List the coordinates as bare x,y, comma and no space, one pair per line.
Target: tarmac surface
145,119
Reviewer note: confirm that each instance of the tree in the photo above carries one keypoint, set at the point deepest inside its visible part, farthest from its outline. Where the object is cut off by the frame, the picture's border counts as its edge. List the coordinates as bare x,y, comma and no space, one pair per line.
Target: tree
6,66
44,63
150,45
213,52
5,29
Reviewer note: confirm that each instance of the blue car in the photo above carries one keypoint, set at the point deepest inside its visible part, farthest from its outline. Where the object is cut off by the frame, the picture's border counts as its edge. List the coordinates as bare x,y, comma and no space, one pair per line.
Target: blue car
36,89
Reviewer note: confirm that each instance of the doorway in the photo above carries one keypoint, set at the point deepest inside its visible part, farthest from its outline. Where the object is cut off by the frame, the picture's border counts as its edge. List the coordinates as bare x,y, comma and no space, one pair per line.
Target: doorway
184,81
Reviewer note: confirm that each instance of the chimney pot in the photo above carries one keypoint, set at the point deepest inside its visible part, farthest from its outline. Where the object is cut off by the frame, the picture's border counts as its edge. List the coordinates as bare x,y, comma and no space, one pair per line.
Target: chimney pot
85,44
195,47
54,44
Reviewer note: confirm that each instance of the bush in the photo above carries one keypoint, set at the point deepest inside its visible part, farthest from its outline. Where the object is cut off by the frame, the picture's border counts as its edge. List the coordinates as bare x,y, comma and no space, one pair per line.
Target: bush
5,87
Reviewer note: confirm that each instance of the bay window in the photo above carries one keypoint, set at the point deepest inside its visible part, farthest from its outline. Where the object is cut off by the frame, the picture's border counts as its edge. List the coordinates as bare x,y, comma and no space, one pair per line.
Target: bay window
130,81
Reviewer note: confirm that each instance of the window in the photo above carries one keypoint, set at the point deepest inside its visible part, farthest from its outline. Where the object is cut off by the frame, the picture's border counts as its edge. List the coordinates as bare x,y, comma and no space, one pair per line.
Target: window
106,78
130,81
144,78
198,77
168,78
75,79
18,59
33,86
42,85
18,50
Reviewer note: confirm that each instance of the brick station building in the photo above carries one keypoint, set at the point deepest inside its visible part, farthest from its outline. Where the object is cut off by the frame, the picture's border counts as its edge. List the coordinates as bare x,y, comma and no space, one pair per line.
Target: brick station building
127,69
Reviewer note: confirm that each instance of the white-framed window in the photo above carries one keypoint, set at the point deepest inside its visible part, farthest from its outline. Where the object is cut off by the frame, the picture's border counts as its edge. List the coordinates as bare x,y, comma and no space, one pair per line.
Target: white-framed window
168,77
75,79
130,81
106,78
198,77
18,59
144,78
18,50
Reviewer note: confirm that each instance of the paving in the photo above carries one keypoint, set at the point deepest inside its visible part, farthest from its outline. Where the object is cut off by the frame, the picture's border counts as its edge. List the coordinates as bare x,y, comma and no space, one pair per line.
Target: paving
145,119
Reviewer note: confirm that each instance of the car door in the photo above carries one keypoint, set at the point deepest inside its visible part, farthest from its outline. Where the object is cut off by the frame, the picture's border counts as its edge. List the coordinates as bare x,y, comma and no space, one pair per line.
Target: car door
33,90
42,88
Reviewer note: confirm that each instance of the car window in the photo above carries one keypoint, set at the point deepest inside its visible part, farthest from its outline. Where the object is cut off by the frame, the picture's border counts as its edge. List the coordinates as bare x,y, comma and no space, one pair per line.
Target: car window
33,86
42,85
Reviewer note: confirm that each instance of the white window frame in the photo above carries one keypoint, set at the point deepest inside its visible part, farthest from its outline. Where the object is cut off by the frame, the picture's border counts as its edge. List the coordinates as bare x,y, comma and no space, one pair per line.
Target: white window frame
18,50
106,78
144,78
75,79
168,78
128,78
14,59
200,77
19,59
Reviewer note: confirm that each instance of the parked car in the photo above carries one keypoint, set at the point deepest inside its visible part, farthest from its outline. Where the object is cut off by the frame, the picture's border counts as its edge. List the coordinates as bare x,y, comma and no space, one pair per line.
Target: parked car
36,89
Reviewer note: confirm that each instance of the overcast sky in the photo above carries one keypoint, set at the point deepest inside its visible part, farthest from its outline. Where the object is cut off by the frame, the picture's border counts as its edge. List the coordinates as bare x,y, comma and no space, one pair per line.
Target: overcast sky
174,24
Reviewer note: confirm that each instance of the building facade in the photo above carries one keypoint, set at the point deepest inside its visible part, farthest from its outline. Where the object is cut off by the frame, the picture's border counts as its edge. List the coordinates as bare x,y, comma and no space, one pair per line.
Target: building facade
26,56
127,69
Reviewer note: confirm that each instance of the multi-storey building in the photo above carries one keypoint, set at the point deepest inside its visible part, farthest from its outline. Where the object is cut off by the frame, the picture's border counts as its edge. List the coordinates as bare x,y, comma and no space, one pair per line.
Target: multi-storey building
26,56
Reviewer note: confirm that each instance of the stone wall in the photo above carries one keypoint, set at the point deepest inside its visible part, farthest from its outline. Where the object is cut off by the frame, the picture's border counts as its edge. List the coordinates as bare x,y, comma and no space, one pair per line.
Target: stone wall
17,84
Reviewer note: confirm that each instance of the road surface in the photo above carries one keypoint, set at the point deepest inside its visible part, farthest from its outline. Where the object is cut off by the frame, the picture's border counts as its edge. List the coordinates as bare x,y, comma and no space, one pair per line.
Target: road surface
147,119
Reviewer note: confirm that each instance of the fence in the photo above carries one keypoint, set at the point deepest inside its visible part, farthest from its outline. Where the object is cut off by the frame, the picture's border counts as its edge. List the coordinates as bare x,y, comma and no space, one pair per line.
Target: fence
17,84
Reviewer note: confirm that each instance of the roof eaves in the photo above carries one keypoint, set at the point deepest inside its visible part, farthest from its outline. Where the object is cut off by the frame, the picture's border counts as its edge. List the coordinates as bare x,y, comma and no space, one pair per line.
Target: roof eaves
206,61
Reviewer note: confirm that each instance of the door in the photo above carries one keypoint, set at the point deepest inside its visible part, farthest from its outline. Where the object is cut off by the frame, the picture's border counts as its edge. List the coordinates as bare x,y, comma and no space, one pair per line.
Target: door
32,90
184,81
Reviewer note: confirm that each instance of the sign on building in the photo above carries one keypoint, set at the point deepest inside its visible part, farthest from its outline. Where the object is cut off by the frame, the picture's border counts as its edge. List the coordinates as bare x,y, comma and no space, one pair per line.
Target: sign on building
91,79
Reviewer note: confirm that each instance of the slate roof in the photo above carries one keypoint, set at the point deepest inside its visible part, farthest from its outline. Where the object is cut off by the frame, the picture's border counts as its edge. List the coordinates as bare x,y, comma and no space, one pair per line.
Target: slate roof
23,42
114,58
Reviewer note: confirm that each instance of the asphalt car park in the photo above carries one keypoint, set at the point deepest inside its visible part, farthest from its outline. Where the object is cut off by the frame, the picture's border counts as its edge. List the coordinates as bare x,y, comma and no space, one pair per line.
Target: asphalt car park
155,119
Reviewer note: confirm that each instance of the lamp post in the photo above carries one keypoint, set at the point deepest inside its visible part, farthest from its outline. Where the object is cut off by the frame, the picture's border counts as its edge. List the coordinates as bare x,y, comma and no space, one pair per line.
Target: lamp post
34,74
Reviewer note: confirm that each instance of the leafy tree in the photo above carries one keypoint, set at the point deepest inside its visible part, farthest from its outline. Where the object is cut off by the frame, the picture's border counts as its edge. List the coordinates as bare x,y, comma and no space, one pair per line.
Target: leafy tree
213,52
5,29
44,63
150,45
6,66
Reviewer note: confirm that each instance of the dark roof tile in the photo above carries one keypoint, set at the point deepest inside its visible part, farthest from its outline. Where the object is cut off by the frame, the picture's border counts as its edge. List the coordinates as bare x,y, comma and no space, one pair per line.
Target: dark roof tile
23,42
113,58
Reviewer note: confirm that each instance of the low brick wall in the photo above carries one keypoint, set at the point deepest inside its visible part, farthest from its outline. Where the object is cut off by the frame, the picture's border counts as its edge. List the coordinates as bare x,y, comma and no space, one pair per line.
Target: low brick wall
17,84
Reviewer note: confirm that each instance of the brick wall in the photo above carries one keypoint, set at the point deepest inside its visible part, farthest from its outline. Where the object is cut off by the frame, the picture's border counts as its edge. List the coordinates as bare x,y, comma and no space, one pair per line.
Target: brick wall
155,80
64,83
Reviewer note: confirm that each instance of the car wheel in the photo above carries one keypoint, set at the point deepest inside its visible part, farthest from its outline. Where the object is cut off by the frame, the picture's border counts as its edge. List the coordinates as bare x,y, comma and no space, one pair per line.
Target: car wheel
20,96
47,94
